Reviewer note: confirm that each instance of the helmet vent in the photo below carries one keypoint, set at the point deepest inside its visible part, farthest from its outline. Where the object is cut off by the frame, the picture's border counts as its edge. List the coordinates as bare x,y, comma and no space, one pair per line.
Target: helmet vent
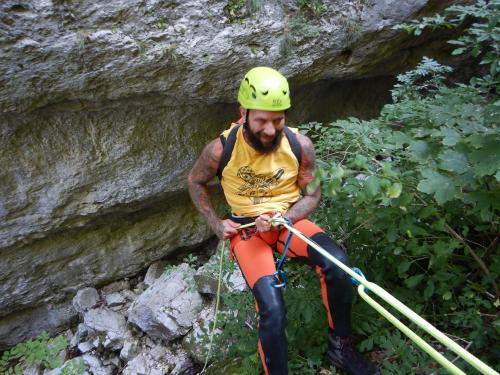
284,92
265,92
254,92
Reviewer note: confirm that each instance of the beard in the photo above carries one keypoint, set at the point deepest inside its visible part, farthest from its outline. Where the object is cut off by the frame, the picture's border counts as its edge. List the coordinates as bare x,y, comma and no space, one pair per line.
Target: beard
258,145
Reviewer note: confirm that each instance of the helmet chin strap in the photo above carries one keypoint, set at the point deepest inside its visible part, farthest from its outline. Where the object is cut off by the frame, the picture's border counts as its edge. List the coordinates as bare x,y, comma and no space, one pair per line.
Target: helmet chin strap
246,125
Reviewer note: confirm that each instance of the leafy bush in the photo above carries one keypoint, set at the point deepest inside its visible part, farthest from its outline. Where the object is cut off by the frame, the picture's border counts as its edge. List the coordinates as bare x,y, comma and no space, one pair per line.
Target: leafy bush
41,351
415,194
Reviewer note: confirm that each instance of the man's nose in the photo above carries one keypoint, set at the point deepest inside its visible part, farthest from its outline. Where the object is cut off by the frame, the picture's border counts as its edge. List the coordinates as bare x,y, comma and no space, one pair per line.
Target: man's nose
269,129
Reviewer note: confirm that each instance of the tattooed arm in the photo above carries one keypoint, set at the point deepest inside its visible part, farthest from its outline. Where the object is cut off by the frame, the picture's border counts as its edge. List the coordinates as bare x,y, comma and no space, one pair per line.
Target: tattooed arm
203,171
310,196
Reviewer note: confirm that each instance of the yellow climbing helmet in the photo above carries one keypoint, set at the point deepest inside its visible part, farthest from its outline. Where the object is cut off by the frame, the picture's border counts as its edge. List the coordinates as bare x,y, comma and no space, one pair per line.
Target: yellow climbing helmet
265,89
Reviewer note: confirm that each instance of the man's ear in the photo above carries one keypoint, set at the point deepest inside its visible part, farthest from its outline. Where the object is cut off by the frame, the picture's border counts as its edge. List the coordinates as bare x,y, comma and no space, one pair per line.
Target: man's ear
243,112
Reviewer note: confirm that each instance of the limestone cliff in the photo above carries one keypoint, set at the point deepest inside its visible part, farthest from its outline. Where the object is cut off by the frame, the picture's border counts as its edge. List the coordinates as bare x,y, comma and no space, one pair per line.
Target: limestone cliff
104,107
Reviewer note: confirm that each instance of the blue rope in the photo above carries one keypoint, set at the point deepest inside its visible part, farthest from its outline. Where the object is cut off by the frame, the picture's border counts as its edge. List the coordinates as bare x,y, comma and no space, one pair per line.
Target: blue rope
280,274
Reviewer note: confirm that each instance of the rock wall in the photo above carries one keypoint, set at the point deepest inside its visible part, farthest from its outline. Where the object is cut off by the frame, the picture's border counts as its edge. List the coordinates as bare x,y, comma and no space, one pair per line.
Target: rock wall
104,107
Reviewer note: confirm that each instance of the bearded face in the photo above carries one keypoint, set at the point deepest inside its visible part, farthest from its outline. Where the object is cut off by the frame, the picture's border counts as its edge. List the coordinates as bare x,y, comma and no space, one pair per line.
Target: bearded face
264,130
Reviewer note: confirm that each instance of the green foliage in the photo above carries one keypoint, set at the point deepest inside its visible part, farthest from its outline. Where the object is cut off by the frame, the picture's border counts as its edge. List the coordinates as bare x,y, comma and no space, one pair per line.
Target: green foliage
42,350
415,195
73,367
191,260
351,28
300,26
297,28
254,6
236,9
316,7
141,49
286,45
481,39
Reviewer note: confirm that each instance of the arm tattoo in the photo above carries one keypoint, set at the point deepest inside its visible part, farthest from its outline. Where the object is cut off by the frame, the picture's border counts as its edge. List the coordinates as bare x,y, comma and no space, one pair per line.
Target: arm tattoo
202,172
310,197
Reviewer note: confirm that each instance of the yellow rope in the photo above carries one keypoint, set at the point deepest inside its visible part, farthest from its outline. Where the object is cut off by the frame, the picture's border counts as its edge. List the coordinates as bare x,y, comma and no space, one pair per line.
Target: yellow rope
216,314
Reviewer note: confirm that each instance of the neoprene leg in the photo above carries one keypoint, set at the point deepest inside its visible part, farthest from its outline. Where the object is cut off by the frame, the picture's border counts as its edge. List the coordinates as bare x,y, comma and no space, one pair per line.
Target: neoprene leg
272,323
338,283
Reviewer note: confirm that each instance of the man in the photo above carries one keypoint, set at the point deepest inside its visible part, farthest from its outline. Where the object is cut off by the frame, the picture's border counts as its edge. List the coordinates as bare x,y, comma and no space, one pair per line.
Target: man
265,174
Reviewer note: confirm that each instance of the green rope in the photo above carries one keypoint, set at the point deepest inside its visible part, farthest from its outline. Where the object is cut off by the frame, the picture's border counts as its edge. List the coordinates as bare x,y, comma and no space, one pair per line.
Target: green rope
412,335
216,314
398,305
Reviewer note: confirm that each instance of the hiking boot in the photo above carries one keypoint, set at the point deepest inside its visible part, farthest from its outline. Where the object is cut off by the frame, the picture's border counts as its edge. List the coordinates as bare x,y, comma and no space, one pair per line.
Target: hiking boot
344,356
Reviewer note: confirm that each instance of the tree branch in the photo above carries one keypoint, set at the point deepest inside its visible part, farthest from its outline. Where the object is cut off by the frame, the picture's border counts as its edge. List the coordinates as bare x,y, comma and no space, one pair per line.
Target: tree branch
476,257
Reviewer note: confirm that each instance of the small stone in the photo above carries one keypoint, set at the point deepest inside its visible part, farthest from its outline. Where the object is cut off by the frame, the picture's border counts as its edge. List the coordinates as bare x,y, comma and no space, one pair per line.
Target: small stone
81,333
130,350
115,299
158,352
86,346
128,295
116,287
85,299
154,272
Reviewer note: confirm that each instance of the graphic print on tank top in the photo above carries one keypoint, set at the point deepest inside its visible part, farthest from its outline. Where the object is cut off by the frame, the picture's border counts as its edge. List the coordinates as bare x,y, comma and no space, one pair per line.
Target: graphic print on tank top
258,187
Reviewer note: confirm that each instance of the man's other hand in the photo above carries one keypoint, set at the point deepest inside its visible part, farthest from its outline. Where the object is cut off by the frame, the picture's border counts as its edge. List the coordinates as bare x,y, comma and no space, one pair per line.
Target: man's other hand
227,229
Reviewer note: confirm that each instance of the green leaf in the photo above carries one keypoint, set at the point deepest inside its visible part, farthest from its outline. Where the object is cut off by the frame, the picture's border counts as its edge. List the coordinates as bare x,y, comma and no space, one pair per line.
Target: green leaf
337,172
476,140
387,170
333,187
398,250
450,136
458,51
372,186
440,186
414,280
420,150
429,290
453,161
486,160
392,234
447,296
395,190
400,139
403,267
360,162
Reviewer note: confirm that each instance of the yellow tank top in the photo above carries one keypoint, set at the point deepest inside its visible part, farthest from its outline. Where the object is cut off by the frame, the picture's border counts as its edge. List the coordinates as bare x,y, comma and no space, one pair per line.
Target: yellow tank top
254,183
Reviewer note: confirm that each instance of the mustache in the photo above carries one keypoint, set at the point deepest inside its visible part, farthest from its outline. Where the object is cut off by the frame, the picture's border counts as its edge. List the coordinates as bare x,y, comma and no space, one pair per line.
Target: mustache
258,145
